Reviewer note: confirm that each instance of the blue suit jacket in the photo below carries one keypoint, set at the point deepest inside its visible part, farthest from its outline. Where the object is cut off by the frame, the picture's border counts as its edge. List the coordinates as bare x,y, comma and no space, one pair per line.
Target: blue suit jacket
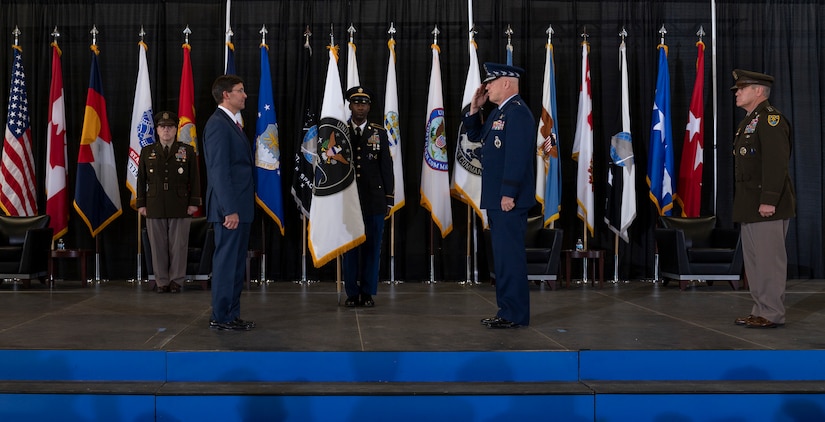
507,154
230,170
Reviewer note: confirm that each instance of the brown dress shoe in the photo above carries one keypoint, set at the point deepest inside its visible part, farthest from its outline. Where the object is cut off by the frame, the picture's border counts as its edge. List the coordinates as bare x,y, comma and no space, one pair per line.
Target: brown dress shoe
760,322
743,320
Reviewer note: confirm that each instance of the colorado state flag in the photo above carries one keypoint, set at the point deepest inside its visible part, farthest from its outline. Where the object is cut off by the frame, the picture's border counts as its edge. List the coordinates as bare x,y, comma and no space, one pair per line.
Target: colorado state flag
97,198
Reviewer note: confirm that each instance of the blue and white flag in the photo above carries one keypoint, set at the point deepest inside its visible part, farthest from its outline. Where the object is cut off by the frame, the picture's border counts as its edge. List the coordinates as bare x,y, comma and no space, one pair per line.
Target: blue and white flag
660,158
143,122
548,164
268,148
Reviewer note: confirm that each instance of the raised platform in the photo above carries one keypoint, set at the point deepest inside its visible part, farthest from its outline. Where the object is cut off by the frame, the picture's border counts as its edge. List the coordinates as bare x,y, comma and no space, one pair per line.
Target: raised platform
119,352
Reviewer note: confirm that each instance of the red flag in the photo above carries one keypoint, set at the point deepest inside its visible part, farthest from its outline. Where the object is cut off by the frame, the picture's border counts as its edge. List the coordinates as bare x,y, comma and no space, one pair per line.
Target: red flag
187,133
689,195
186,103
17,187
57,196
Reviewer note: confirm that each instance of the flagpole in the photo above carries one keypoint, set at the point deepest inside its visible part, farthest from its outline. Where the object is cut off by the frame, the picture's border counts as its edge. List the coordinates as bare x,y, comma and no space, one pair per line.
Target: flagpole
138,277
468,258
432,254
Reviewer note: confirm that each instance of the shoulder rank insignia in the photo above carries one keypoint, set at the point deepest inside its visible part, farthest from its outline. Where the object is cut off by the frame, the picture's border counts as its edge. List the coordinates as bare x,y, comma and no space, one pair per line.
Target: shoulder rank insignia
773,119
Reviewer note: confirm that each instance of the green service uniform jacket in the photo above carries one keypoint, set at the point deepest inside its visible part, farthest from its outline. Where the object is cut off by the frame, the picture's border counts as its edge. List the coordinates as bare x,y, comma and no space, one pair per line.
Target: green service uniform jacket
762,151
168,184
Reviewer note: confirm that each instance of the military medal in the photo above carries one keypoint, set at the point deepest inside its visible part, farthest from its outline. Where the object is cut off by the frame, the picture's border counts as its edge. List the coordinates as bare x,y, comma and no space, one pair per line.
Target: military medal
497,142
498,125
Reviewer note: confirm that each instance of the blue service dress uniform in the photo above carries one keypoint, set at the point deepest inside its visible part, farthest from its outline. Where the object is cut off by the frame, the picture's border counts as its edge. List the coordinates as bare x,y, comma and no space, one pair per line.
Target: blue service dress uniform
507,160
376,186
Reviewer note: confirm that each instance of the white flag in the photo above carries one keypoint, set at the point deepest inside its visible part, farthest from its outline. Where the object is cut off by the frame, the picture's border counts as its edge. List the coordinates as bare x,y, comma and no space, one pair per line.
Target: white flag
435,178
142,131
466,185
352,75
336,224
583,147
391,123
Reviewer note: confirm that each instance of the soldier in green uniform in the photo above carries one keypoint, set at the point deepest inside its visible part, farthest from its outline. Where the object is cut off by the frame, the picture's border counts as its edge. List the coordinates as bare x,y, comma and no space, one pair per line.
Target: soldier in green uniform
168,193
764,198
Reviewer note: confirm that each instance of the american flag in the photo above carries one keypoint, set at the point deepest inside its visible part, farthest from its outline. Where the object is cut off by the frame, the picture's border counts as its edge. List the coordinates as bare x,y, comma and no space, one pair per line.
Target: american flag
17,196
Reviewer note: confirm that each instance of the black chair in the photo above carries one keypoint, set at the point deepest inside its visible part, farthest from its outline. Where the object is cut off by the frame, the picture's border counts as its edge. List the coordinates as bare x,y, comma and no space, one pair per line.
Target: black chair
25,245
695,249
543,248
198,257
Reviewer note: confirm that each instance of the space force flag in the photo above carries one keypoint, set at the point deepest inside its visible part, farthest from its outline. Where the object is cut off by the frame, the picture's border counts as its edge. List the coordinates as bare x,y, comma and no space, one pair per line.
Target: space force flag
336,224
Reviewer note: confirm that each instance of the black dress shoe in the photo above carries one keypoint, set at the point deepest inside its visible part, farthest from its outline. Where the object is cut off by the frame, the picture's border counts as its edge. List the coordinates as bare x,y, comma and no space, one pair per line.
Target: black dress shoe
502,323
162,289
249,324
231,326
174,287
245,323
366,301
488,321
351,302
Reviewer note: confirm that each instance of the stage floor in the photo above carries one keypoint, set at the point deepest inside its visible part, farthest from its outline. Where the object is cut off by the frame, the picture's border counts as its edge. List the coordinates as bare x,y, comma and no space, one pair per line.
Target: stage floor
411,316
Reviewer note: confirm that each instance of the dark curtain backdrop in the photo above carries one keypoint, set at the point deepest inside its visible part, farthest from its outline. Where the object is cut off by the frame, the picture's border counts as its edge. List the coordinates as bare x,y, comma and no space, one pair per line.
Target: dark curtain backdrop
783,38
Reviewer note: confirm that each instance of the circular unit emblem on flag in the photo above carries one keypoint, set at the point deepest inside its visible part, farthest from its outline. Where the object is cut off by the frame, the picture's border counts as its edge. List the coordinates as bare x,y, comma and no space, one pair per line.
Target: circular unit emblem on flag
435,152
334,171
468,154
146,129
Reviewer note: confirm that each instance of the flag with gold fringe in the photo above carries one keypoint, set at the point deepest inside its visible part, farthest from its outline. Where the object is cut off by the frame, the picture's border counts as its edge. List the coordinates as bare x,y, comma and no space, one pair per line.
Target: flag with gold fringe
57,193
97,198
336,224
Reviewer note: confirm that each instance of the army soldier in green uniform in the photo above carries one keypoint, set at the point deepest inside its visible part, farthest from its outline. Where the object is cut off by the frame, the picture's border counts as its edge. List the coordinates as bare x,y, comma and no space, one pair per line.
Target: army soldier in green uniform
764,198
168,193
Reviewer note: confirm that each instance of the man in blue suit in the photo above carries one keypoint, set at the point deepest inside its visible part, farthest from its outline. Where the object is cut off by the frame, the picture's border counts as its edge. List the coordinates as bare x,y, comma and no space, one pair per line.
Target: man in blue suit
507,186
230,201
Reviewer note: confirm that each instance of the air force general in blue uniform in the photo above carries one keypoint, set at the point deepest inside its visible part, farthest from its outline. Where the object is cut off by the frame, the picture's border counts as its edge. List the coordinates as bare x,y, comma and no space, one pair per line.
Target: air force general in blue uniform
507,186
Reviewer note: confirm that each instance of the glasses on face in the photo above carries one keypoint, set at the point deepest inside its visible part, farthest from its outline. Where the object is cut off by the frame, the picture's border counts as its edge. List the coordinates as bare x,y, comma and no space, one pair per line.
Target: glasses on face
241,90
